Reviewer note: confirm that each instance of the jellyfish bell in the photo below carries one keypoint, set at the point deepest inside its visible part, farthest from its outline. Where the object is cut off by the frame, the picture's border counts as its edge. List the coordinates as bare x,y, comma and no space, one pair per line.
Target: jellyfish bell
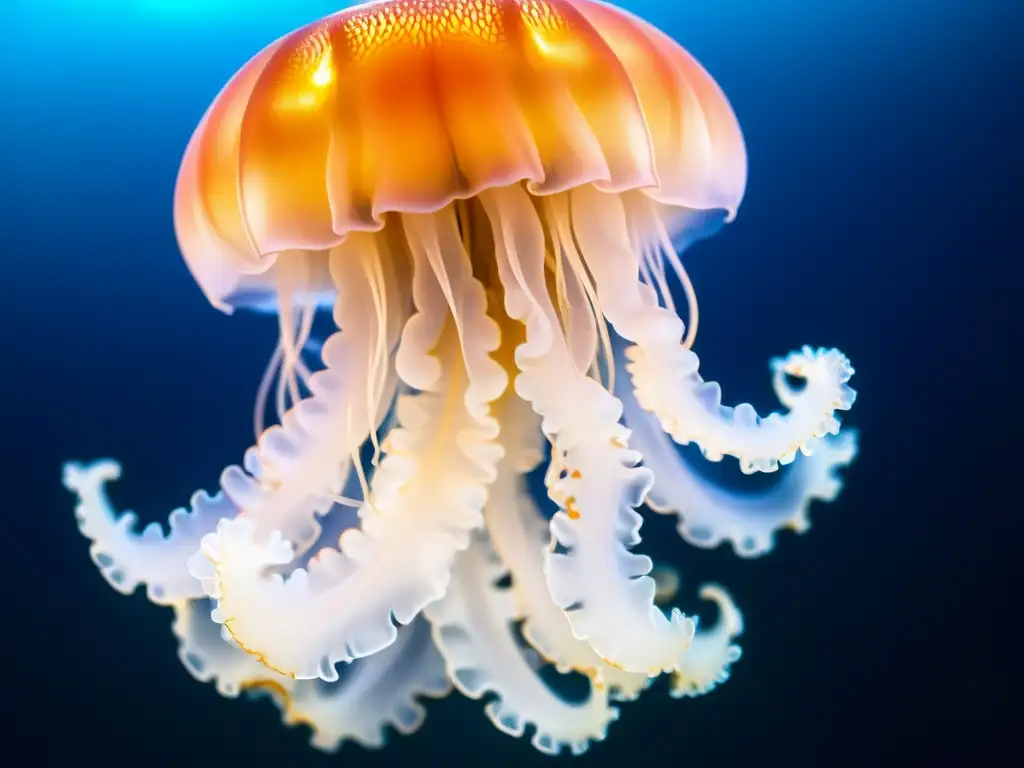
486,190
398,107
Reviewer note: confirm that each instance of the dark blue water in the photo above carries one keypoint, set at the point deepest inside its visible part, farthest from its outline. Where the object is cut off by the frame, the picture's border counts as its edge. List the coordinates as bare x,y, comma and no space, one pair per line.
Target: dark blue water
879,218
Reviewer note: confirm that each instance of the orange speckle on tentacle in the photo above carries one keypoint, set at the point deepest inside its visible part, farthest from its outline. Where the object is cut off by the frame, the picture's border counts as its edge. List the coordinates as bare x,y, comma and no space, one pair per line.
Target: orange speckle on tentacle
571,509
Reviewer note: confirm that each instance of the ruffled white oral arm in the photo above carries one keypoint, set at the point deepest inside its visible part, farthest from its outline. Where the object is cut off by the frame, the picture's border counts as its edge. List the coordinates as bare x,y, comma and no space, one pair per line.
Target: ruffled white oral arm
597,580
208,657
202,648
521,536
297,467
708,661
428,494
709,514
127,558
380,691
339,519
665,373
474,628
286,480
376,692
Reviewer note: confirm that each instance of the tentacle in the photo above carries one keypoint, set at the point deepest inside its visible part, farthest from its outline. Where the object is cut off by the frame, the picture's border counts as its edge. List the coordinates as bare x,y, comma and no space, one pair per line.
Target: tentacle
521,536
299,466
277,372
708,661
709,514
435,240
603,586
126,558
376,692
208,657
289,478
474,630
428,494
380,691
665,372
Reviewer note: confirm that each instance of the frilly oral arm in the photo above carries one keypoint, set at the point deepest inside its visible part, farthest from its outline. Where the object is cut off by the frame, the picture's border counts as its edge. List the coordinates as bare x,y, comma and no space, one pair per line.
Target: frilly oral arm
474,626
665,373
597,580
376,692
427,495
380,691
128,559
710,514
521,536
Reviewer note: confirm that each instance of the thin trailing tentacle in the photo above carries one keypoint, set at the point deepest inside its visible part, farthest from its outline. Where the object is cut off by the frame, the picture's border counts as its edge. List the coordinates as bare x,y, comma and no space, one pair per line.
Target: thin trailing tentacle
277,370
427,495
708,514
474,626
597,580
665,373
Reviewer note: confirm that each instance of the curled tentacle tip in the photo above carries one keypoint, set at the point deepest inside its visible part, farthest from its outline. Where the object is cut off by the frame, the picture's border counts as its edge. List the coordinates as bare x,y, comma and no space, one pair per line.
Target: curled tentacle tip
799,363
708,661
74,474
845,446
730,617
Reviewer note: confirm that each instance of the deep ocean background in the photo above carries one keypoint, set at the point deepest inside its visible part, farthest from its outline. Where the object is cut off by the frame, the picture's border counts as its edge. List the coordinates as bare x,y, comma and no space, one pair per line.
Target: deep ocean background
881,217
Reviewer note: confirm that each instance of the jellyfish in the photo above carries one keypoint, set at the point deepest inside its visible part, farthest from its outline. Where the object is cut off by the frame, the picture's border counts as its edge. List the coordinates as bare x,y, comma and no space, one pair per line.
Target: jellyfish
490,199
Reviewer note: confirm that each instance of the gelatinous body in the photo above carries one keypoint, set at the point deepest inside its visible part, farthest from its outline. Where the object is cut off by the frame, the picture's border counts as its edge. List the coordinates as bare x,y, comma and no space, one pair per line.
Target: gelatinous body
489,195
